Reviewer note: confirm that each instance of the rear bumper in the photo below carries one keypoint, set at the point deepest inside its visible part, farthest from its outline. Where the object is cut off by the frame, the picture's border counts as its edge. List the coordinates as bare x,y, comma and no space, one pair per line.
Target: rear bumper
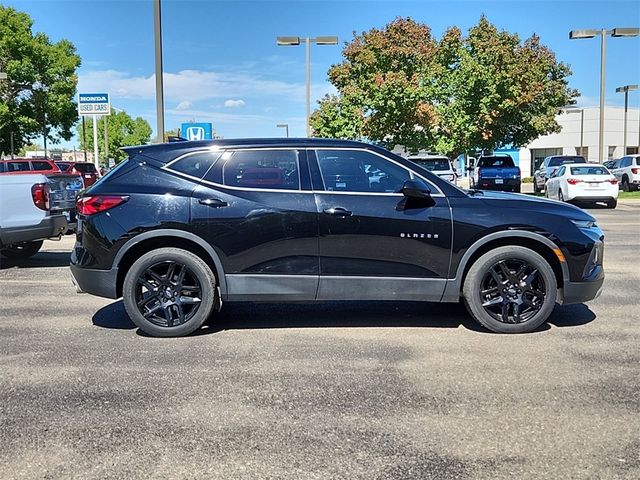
101,283
591,198
580,292
508,184
51,226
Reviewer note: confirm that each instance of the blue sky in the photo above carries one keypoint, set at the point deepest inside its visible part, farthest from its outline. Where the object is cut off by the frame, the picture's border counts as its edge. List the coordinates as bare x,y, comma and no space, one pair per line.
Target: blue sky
222,64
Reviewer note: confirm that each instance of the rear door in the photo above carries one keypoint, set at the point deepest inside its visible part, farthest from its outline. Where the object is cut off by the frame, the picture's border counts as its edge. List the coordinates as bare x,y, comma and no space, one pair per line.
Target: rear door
372,244
256,209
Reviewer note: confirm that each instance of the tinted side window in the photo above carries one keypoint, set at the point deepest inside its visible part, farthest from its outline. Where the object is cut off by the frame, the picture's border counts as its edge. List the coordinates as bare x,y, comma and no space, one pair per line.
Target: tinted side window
42,166
195,164
18,167
270,169
359,171
626,162
86,167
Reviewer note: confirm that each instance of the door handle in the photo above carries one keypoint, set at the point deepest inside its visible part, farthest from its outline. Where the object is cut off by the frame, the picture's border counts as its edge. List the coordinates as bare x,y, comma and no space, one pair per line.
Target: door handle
338,212
213,202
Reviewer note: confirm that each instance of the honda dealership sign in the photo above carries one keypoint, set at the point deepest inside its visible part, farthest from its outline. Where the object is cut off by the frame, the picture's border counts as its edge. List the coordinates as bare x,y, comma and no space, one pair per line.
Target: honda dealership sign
94,104
196,131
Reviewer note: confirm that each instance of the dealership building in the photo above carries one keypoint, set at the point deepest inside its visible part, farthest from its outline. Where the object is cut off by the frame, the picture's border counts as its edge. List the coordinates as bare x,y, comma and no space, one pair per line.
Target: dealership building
577,124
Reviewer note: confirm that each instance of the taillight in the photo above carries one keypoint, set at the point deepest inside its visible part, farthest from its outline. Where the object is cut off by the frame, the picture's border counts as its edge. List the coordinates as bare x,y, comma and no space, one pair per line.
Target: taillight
573,181
40,195
98,203
613,181
635,171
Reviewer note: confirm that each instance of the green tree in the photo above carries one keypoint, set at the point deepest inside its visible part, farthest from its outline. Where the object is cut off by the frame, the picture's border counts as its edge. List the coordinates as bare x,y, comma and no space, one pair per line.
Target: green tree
399,86
122,131
38,94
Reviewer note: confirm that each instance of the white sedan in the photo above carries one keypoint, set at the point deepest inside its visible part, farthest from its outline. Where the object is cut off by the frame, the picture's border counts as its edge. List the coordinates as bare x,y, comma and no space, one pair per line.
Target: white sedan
583,182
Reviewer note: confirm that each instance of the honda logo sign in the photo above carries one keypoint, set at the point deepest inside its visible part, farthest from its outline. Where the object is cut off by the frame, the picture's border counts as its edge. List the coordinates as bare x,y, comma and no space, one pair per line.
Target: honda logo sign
196,131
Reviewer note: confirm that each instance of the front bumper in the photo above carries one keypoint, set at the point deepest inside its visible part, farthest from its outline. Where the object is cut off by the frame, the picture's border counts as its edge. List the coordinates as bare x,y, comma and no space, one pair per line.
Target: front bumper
580,292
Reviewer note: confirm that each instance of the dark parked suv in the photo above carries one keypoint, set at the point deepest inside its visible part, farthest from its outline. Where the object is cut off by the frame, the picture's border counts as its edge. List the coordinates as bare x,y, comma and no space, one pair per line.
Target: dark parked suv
179,228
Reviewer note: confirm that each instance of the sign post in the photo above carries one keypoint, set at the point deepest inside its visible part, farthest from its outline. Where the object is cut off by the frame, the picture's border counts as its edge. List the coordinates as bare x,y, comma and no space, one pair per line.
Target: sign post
94,104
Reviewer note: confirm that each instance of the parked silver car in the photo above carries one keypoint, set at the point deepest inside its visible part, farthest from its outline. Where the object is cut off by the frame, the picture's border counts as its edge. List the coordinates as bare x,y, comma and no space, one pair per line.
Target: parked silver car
437,164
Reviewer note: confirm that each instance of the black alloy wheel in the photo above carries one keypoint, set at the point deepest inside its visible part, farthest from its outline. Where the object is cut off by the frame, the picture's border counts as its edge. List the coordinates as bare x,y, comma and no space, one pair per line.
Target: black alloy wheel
168,294
512,291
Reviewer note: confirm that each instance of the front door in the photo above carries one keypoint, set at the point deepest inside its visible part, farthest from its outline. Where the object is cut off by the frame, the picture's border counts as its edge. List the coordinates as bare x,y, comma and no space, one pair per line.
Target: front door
373,244
252,208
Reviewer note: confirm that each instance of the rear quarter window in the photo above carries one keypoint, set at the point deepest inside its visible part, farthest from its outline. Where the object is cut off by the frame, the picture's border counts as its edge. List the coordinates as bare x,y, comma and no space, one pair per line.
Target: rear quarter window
42,166
85,167
194,164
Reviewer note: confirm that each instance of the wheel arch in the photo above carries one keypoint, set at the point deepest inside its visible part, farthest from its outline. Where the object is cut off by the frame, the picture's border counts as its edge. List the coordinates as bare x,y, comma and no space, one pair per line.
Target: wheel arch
154,239
534,241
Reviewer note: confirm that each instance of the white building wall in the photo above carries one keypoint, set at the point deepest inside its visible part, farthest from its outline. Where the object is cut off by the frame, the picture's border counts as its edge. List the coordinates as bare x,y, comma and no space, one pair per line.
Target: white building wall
569,138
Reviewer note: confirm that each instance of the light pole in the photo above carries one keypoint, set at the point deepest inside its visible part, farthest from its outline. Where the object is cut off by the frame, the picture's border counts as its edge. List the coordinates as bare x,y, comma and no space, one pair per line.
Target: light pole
323,40
581,110
591,33
157,29
626,89
285,126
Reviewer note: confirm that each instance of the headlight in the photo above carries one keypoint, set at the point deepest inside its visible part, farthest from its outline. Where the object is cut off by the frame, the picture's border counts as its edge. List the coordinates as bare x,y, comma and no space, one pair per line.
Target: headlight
584,223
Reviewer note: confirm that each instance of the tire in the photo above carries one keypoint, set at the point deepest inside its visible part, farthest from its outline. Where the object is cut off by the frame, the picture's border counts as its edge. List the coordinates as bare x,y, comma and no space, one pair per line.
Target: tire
612,203
536,286
625,184
22,250
517,189
535,187
176,300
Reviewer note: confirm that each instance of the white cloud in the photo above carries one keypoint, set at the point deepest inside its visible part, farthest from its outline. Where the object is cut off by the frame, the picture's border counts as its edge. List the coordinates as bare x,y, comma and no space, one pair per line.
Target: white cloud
184,105
234,103
196,85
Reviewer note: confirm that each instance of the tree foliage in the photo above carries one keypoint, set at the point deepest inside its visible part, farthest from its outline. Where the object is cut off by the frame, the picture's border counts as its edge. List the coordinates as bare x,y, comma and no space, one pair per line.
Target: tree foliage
400,86
39,91
122,131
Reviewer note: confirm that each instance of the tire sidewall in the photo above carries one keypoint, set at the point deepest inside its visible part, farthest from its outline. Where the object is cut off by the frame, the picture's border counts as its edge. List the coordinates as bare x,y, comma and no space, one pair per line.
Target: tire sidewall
472,284
196,266
29,250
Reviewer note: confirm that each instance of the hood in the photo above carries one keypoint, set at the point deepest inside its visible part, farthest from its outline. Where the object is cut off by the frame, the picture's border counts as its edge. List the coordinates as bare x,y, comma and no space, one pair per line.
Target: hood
531,203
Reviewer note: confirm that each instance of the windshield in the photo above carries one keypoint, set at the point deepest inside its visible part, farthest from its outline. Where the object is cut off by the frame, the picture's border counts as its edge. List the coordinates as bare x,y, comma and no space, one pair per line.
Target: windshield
432,164
557,161
496,162
589,171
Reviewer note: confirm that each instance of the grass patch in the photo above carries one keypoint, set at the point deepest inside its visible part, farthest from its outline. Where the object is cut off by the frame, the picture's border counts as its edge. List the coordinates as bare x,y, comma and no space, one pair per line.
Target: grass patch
629,195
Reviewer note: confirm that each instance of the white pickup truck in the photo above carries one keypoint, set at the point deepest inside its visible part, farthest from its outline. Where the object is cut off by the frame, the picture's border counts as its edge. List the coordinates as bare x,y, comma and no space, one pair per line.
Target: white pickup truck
25,216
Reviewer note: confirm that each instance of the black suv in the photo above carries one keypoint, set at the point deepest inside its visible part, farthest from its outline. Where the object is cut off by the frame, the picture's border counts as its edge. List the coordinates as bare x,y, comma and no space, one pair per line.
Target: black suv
179,228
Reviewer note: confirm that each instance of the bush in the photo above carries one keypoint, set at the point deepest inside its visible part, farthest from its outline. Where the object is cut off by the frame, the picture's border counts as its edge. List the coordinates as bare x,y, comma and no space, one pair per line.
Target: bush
527,180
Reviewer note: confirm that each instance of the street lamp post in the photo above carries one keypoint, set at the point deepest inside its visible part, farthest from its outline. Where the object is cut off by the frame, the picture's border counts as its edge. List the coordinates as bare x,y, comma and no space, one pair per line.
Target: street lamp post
626,89
591,33
285,126
157,29
294,41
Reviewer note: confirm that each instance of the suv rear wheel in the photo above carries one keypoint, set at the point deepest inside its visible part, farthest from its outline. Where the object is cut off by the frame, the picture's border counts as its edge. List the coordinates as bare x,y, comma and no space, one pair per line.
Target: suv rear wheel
510,290
169,292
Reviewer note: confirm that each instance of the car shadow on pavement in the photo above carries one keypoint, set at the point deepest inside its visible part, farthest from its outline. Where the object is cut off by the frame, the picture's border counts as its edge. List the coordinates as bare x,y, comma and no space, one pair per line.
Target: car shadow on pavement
39,260
239,316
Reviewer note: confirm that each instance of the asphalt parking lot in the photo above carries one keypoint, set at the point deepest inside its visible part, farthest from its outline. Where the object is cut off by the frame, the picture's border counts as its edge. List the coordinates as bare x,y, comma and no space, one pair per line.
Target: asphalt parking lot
354,391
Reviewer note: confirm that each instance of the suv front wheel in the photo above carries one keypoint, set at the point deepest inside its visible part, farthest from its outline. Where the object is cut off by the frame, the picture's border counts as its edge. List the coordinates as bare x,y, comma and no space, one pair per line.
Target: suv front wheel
510,290
169,292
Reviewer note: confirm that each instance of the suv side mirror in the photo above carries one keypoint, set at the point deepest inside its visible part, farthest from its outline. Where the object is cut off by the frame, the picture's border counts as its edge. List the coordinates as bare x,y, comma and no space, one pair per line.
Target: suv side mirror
416,189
